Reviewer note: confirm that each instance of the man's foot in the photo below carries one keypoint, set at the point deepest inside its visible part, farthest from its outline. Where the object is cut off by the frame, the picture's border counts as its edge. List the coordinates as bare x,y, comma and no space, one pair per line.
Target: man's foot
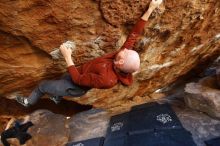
56,99
23,101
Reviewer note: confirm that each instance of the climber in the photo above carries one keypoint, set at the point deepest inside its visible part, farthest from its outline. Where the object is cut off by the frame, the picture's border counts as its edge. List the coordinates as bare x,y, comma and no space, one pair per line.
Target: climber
103,72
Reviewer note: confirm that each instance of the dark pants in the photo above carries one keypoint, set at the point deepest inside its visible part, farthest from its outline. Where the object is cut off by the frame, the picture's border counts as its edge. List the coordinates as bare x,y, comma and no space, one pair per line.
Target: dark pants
58,88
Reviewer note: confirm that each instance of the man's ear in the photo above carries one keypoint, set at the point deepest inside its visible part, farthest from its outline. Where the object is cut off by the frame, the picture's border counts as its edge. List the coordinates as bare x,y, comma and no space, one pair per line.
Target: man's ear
121,61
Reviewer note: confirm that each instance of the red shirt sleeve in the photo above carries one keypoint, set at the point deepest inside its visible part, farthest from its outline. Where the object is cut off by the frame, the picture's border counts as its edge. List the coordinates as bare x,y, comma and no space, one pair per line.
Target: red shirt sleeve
134,34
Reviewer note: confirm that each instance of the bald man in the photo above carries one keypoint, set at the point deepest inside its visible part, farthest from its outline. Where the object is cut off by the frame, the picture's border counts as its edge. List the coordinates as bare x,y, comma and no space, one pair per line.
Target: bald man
102,73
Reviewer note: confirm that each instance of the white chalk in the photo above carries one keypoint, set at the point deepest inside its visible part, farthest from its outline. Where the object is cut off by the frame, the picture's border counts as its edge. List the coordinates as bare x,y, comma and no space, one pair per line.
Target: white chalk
157,2
217,36
159,66
158,90
197,48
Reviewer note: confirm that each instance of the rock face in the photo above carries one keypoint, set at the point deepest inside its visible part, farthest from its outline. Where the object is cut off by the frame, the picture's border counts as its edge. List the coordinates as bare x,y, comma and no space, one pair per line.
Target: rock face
45,125
201,126
51,129
204,96
181,35
89,124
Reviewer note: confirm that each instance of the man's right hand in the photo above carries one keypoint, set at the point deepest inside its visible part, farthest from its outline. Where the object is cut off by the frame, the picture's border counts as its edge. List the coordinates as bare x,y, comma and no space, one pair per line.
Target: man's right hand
154,4
66,52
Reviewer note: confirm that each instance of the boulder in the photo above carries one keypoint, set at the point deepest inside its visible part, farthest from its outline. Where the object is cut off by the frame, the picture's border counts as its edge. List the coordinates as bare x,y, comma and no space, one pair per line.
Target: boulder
204,96
201,126
89,124
49,129
52,129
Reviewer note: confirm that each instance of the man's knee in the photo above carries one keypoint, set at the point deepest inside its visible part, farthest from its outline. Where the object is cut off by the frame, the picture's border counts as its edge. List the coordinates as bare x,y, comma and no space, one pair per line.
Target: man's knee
76,92
43,84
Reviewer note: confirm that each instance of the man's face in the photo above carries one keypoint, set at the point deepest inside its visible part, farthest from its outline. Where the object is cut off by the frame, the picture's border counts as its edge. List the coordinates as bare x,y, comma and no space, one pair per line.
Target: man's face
119,59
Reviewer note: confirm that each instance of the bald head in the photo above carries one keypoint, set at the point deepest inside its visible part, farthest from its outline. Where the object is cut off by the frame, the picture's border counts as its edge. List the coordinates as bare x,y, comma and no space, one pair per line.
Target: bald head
127,61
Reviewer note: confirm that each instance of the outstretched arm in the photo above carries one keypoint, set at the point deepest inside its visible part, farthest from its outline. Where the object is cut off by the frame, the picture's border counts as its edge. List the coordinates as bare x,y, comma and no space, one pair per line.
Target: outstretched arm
139,26
153,5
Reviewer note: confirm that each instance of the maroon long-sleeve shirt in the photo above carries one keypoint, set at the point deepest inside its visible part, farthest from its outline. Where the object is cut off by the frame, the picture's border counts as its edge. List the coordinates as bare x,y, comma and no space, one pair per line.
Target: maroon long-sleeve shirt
100,72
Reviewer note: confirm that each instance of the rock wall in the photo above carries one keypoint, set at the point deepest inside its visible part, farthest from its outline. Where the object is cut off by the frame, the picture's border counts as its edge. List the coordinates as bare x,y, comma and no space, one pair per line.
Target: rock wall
179,36
204,96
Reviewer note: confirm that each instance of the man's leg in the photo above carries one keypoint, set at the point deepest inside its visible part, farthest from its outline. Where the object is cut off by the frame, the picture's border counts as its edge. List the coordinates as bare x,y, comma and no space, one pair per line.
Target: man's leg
55,88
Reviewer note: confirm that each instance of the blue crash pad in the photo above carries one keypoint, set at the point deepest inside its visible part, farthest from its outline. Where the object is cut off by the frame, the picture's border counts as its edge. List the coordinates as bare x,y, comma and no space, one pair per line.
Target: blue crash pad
89,142
118,126
151,117
213,142
116,141
162,138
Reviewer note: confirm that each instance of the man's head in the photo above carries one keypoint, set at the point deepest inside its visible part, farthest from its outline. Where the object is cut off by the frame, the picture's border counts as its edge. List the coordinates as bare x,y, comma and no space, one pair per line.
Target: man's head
127,61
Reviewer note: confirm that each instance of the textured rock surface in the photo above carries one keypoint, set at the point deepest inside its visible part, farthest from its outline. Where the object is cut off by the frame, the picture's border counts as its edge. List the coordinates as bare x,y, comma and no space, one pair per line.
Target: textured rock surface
49,129
56,130
200,125
204,96
179,37
89,124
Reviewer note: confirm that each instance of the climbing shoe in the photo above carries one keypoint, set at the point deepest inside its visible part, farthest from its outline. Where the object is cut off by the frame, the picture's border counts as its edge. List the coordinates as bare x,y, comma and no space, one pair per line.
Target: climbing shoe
21,100
56,99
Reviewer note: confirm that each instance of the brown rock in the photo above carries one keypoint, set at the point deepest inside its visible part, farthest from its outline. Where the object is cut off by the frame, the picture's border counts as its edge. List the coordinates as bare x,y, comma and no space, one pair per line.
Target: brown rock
89,124
177,39
120,11
49,129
